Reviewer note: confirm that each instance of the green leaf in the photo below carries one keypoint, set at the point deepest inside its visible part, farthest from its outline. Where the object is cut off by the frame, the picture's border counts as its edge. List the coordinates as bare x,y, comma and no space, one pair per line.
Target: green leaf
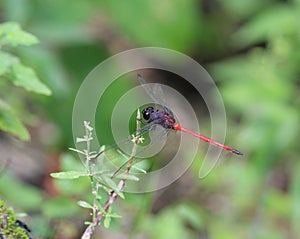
84,204
10,122
114,215
25,77
101,209
11,34
106,222
109,182
6,60
107,219
120,194
68,175
79,140
77,151
139,169
112,185
127,177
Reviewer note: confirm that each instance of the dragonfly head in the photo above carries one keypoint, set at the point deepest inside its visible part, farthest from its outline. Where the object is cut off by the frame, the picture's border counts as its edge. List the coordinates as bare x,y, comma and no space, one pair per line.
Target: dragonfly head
147,112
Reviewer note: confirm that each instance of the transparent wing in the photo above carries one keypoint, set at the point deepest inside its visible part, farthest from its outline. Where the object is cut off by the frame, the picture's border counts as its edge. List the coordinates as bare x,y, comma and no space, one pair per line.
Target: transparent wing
126,157
155,92
127,140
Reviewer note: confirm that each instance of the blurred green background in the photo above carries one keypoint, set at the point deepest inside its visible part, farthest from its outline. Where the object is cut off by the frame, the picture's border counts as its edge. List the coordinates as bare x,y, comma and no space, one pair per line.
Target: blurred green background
252,50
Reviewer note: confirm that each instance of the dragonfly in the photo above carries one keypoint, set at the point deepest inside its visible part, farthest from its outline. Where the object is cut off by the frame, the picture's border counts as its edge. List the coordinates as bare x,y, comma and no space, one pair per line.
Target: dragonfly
164,117
168,121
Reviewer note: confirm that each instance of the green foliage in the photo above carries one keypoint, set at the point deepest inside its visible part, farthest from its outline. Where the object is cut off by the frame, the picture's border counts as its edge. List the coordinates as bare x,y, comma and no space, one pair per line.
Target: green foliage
85,204
11,34
274,22
74,187
263,82
171,222
26,78
10,122
69,175
177,22
252,50
11,69
20,194
9,227
102,182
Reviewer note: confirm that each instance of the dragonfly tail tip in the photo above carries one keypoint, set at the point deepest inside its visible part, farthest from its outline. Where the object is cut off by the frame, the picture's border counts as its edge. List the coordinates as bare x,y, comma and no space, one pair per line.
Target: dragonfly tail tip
237,152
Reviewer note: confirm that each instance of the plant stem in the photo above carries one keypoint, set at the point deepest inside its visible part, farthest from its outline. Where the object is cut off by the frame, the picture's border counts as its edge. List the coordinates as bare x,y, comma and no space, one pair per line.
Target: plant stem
113,195
88,163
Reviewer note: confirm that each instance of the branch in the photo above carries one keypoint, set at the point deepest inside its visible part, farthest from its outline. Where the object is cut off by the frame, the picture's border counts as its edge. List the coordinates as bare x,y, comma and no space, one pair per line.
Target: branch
113,196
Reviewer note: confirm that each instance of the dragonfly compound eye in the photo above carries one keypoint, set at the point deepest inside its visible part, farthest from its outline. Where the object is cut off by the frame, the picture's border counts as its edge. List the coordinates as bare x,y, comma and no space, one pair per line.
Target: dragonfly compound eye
147,112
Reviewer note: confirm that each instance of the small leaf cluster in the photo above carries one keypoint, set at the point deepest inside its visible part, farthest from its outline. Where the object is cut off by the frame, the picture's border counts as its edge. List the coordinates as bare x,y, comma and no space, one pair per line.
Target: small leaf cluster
100,178
13,71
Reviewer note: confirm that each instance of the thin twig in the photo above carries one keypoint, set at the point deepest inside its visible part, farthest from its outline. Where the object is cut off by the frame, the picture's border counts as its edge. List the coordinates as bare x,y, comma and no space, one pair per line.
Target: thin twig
88,136
113,195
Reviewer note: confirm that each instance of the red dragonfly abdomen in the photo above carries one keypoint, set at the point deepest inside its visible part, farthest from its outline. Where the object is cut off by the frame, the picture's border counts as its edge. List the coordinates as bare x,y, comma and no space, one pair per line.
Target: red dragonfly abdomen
204,138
